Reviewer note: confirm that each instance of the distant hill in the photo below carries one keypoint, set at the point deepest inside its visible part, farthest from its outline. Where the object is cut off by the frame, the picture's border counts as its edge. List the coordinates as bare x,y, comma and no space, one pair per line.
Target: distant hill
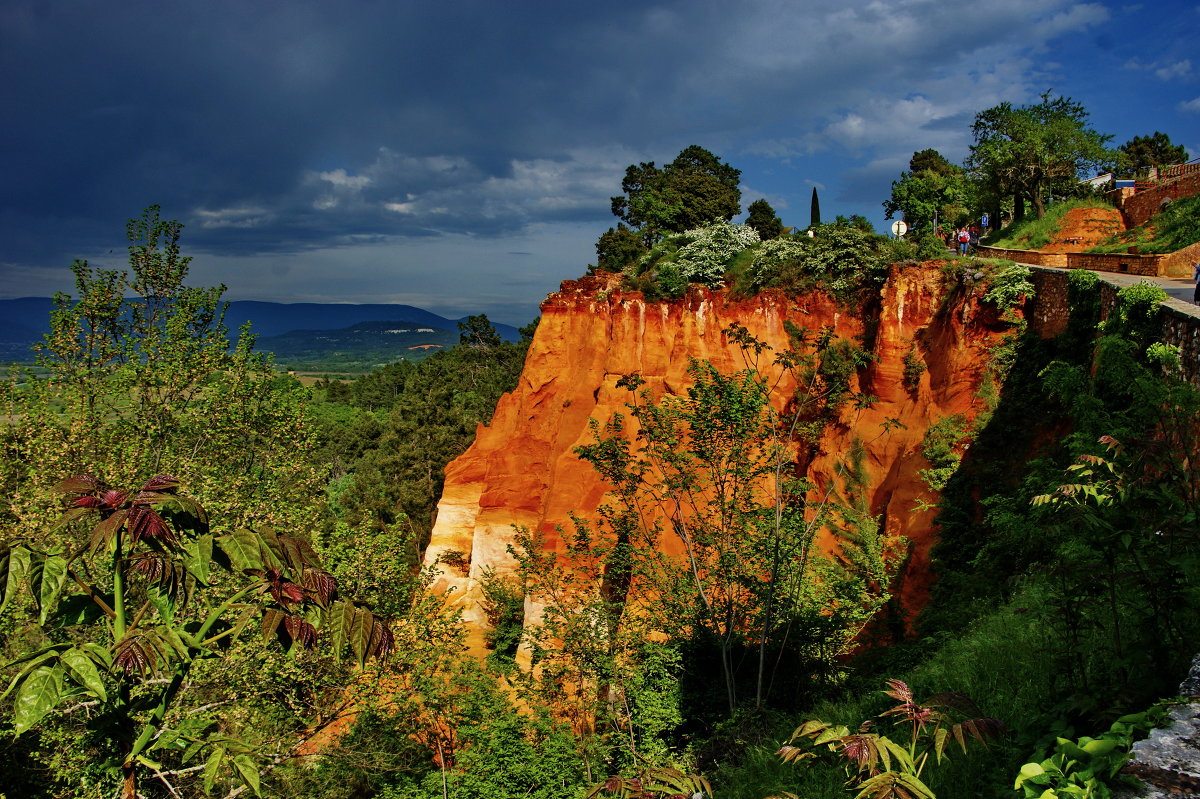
24,321
358,348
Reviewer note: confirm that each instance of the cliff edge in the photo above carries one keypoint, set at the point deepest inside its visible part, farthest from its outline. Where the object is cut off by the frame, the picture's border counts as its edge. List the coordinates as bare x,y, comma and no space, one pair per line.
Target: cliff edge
521,470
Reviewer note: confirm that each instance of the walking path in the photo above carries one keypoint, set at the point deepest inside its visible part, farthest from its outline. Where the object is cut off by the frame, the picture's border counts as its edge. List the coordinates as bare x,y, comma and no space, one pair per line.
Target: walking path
1179,289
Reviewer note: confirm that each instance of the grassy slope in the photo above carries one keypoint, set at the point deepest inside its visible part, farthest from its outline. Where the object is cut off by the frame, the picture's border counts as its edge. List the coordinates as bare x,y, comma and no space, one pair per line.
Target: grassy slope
1031,233
1175,228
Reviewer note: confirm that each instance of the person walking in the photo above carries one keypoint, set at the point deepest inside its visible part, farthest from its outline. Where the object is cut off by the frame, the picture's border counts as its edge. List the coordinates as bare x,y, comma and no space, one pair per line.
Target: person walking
964,241
1196,280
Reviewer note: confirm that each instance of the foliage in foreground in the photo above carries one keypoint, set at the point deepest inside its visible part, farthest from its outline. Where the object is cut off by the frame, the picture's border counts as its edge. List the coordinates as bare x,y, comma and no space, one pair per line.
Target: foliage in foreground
135,629
889,767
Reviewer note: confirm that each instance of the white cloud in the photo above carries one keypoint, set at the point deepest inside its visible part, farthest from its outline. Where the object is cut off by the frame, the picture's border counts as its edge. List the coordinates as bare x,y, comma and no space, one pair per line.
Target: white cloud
238,217
1191,106
1177,70
339,178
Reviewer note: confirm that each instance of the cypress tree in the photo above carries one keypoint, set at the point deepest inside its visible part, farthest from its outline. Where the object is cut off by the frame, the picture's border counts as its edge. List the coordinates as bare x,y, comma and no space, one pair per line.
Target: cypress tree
815,218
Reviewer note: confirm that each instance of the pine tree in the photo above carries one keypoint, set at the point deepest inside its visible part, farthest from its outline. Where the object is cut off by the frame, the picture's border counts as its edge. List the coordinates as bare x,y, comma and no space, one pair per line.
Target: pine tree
815,218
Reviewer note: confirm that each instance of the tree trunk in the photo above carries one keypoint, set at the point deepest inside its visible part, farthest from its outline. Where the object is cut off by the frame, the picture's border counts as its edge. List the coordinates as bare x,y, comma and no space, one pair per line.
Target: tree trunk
1018,207
1039,205
128,781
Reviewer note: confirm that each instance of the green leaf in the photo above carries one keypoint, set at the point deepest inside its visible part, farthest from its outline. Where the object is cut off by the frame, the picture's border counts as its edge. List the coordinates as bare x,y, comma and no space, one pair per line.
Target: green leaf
14,571
359,634
184,514
246,767
49,577
243,549
38,695
190,752
212,766
83,670
197,555
102,655
31,662
339,620
78,609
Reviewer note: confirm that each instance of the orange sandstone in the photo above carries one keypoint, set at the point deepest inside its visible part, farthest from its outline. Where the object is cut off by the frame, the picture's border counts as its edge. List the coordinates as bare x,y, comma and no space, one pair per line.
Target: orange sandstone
521,469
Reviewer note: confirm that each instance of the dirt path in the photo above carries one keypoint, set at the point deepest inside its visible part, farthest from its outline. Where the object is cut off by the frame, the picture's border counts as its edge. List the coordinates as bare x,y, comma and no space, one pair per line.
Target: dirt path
1082,228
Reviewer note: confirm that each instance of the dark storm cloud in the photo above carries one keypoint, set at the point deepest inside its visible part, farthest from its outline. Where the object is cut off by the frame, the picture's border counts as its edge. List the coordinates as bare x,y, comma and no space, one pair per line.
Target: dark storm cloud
286,130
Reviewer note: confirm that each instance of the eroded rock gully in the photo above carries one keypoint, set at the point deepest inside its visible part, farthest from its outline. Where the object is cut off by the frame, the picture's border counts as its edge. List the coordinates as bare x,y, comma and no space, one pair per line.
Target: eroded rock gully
521,470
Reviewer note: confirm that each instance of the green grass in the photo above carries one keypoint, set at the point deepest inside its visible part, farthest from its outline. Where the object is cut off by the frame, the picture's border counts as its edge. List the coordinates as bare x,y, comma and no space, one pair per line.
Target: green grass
1175,228
1031,233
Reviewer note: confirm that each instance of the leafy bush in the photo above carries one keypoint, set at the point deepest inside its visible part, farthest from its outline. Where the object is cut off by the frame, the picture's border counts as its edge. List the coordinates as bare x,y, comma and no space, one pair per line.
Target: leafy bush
1008,284
1087,768
942,448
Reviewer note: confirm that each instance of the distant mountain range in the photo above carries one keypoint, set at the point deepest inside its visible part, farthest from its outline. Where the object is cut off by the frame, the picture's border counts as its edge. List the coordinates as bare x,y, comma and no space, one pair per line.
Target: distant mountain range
24,321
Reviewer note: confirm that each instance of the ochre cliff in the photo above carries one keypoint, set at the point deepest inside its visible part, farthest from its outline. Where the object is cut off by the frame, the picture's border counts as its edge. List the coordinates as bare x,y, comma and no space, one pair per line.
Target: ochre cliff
521,470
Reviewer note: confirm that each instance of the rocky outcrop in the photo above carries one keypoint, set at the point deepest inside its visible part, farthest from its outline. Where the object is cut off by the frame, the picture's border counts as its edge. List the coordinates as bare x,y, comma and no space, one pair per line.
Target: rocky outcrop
521,469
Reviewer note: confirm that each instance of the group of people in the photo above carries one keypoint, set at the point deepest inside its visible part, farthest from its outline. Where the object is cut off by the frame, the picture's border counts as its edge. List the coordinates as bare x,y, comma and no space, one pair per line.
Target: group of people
965,239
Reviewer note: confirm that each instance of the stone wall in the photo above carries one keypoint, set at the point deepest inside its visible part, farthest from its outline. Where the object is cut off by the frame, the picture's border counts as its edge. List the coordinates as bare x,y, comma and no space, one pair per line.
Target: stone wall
1176,264
1145,204
1121,263
1179,263
1034,257
1048,314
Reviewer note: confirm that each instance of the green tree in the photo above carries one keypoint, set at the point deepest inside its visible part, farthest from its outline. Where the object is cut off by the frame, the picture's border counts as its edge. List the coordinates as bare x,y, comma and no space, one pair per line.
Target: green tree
932,189
762,217
814,216
404,424
714,469
1031,152
1142,152
930,160
694,189
478,331
618,248
140,380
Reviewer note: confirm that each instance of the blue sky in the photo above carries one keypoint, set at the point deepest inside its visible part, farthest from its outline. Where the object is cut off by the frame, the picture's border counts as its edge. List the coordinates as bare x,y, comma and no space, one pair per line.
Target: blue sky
460,156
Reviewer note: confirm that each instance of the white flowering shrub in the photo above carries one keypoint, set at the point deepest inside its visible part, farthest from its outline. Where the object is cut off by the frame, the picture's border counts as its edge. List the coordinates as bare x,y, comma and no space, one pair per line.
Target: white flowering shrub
704,259
771,257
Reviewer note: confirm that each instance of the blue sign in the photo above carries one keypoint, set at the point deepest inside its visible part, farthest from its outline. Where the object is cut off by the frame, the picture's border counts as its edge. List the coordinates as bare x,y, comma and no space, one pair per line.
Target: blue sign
983,222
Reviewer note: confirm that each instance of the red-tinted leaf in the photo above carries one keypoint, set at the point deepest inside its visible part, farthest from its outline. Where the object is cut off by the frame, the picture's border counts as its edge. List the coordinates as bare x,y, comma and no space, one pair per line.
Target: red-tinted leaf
161,482
861,749
150,565
103,532
272,617
301,631
899,690
383,642
87,502
80,484
320,584
290,593
133,653
146,523
115,499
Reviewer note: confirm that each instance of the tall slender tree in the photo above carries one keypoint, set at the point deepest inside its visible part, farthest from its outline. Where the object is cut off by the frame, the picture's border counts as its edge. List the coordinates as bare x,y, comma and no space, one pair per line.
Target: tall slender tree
815,214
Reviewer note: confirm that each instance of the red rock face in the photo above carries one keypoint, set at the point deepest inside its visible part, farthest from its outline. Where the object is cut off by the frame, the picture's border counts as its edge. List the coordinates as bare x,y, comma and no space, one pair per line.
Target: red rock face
521,470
